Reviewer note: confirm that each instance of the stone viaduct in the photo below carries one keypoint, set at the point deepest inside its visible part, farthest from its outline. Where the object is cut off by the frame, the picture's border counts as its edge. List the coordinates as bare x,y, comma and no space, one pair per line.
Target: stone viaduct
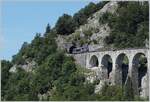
109,66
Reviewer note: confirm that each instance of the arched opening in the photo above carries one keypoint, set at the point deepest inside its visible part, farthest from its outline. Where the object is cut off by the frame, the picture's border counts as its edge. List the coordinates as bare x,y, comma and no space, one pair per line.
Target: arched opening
94,61
107,64
139,71
122,66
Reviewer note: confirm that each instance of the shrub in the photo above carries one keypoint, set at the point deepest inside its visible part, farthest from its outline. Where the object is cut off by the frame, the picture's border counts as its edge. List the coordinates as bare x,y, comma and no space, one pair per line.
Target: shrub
87,32
105,18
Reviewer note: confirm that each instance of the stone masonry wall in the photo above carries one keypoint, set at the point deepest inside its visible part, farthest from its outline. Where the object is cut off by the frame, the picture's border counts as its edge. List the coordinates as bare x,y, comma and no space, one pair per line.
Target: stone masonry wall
80,59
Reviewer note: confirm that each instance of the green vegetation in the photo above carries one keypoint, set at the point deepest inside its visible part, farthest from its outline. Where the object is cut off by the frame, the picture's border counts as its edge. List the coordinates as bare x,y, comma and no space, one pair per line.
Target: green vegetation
48,29
5,67
55,73
83,41
76,36
119,93
67,24
84,38
56,76
106,16
82,15
38,50
95,41
88,33
129,25
112,93
57,81
19,87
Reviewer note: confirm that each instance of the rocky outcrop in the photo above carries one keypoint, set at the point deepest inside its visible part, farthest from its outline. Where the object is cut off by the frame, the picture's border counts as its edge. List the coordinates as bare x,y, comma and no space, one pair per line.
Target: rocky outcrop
28,67
13,69
92,33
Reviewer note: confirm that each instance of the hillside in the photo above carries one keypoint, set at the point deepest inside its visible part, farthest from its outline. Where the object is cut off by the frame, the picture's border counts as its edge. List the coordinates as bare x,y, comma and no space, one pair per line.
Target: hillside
103,28
42,71
91,33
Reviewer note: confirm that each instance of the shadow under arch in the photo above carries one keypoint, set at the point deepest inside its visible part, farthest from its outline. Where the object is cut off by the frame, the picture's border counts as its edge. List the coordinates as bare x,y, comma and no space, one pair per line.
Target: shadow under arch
121,70
94,61
106,64
139,72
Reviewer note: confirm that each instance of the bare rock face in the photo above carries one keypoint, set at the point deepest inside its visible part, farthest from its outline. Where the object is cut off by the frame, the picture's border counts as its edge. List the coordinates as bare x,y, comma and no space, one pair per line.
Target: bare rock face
98,31
92,76
61,42
104,29
99,74
99,86
109,7
13,69
28,67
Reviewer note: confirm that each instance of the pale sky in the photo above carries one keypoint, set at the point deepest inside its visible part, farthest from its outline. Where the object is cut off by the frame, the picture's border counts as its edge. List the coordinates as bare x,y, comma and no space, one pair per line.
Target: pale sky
22,20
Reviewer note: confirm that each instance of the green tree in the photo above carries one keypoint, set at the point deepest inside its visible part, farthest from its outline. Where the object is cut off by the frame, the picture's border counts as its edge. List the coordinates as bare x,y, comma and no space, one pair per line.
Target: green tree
110,93
65,25
19,88
48,28
129,25
83,14
5,67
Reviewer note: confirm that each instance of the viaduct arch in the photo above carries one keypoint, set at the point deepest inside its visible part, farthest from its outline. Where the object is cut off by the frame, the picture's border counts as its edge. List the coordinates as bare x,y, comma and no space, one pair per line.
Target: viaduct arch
113,68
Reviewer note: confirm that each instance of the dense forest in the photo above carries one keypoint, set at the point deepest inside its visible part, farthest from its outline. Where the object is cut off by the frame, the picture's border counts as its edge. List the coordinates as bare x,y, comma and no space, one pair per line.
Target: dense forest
56,76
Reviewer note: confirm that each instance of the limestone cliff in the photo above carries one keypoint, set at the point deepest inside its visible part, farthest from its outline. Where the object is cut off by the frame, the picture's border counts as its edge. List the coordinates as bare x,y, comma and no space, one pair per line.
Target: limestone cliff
91,33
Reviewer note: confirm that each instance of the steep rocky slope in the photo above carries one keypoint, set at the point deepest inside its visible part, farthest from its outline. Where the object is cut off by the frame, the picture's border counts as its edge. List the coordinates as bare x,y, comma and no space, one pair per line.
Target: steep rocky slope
92,33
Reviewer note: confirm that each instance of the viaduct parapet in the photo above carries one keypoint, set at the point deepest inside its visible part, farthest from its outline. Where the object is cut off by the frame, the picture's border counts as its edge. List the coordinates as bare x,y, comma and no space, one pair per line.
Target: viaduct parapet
109,66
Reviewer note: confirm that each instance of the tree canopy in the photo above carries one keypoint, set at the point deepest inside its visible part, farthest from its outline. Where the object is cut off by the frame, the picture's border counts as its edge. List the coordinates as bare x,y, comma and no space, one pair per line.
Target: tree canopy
67,24
56,76
129,25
